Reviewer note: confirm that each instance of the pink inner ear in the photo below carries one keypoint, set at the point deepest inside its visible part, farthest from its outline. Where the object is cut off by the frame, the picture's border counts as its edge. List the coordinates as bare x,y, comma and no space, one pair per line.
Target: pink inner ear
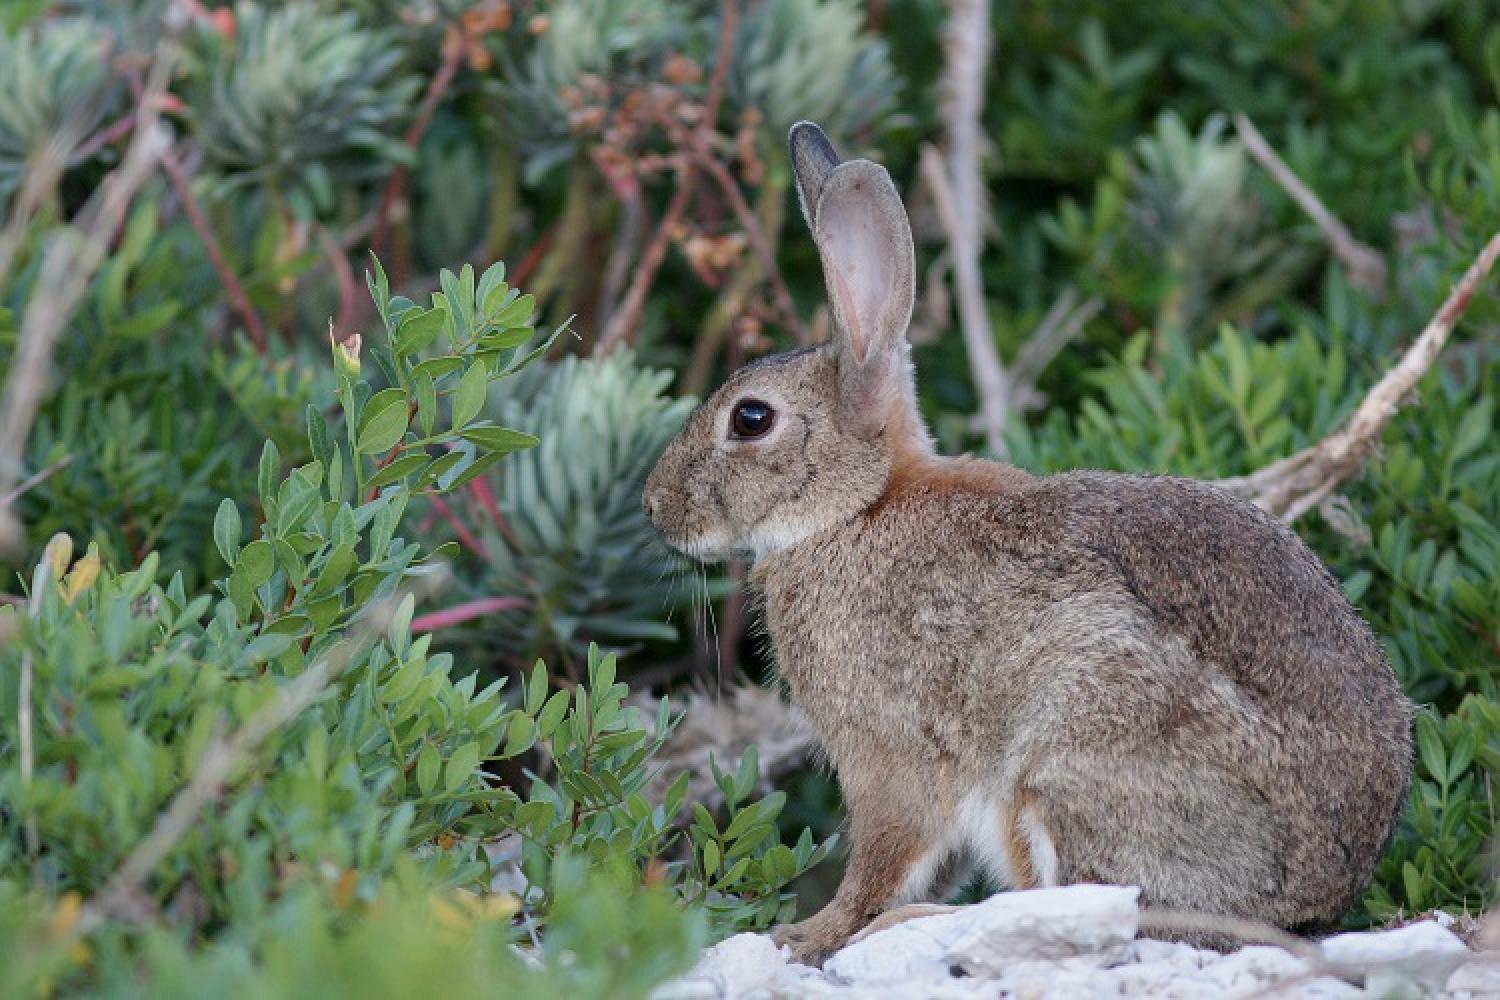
858,341
856,250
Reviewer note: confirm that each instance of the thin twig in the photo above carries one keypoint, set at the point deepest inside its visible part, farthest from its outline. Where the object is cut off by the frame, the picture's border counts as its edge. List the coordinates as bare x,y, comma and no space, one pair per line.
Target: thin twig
238,300
1365,265
348,287
28,754
627,240
43,173
1292,486
622,325
1064,320
106,136
757,237
70,260
34,480
395,186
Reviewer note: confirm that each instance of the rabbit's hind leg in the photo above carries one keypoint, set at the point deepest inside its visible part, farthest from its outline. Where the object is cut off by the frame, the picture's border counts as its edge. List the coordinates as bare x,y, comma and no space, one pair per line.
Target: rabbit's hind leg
1193,837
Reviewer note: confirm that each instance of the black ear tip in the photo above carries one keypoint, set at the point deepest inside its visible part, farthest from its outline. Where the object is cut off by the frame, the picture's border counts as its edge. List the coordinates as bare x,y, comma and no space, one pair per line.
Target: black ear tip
806,137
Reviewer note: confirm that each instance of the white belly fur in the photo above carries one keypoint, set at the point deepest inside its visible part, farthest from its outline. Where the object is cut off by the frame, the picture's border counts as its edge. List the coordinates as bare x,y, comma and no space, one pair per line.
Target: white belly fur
976,832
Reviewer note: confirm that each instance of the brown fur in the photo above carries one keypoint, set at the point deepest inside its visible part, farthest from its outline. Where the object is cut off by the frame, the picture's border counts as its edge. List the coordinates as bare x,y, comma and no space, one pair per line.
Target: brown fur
1139,680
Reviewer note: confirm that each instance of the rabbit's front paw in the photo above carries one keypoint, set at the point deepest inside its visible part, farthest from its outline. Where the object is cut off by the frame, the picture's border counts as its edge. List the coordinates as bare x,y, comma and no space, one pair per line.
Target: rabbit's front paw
814,939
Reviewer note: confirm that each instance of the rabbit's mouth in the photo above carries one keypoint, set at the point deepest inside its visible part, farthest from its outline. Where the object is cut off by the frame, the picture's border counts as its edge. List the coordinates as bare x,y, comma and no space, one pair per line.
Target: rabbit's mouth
711,546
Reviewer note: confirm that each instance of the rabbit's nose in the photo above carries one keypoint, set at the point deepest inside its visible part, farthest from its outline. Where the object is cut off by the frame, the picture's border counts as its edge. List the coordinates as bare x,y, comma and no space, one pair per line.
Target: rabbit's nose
650,501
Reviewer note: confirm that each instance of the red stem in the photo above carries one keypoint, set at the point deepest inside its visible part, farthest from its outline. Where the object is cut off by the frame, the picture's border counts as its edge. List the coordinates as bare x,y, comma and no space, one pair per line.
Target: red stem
465,612
395,187
238,300
465,536
623,324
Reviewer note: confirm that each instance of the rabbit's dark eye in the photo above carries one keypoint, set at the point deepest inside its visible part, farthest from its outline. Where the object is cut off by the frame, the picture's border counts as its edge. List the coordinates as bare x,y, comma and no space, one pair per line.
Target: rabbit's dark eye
751,419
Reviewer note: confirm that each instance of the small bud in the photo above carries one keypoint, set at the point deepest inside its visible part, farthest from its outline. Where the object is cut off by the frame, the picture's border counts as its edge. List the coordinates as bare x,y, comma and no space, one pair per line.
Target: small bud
345,354
58,554
85,573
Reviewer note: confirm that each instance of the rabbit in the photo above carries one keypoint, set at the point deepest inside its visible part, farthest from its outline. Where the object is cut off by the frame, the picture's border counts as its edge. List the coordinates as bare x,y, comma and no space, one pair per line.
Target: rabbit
1082,677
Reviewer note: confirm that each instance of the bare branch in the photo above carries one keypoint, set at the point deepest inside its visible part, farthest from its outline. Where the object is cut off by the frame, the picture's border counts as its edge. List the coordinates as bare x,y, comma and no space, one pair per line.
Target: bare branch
742,210
1064,320
1292,486
958,194
71,257
1365,265
36,479
178,178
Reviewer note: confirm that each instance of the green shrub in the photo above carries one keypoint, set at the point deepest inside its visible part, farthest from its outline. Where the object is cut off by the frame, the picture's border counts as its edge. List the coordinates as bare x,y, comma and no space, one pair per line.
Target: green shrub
359,773
562,527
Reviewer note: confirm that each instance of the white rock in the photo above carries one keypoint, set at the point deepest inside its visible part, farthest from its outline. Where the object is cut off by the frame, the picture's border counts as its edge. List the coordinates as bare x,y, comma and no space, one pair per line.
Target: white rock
1077,942
746,965
1479,977
1095,920
1423,952
1007,928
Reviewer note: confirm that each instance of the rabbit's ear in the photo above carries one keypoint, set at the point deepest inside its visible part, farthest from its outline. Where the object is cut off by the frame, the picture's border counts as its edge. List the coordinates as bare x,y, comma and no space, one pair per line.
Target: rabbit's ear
813,159
864,239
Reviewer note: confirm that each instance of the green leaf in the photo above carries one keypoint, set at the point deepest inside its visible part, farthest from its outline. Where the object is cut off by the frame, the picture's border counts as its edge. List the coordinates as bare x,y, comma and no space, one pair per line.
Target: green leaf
491,282
257,561
748,774
536,688
1413,882
269,471
474,470
539,350
436,368
1430,746
318,436
227,530
380,290
429,761
419,328
552,714
520,736
515,314
335,570
506,339
764,811
500,440
383,422
1476,426
440,467
399,628
263,648
399,469
461,766
711,859
426,392
469,397
459,304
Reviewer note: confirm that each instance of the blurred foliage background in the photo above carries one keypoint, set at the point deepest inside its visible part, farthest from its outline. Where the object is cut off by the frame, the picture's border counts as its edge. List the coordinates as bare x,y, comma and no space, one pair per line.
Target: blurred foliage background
1158,300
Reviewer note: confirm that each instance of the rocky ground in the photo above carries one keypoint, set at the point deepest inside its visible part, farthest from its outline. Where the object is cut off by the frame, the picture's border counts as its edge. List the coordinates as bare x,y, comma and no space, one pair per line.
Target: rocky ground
1080,941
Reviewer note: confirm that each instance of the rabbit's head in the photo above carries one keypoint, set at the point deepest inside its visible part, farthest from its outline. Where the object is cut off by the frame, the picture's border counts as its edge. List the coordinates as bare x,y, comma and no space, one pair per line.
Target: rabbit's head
801,441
